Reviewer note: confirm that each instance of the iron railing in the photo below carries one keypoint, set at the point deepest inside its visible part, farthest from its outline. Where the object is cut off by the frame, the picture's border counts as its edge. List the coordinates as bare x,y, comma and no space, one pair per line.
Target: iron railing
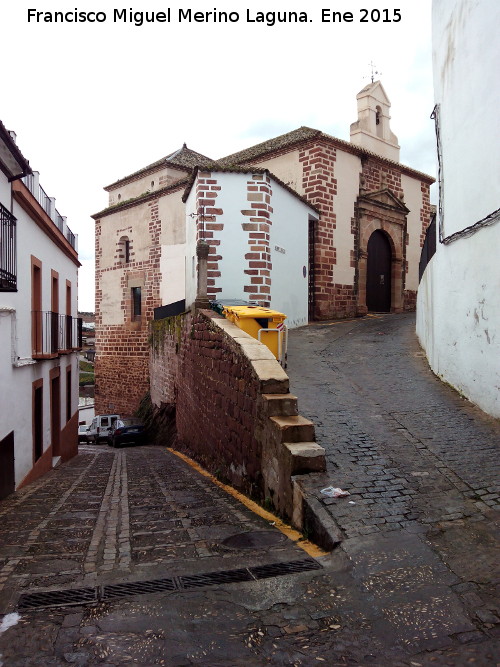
44,200
53,333
59,221
44,333
8,269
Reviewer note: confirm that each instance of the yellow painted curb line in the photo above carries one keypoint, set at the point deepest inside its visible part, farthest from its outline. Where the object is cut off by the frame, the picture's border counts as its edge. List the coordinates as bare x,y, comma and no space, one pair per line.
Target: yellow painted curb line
292,534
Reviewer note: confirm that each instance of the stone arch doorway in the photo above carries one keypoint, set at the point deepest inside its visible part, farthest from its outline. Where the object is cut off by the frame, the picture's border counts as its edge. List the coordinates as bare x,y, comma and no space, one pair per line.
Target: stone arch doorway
378,273
384,213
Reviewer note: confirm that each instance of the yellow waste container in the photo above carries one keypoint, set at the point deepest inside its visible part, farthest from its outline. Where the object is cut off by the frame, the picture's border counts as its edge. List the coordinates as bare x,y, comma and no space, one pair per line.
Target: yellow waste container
263,324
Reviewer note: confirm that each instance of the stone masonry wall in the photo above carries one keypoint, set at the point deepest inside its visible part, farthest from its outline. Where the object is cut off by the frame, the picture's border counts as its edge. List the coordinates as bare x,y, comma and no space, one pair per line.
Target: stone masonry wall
320,187
259,193
122,350
233,410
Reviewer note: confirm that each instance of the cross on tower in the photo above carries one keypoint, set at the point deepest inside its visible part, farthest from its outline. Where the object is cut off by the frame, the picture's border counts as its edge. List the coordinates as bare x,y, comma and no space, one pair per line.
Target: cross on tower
374,71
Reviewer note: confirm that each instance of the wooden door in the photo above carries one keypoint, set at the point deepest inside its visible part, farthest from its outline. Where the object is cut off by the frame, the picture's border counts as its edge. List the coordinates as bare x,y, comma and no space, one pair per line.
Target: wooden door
55,414
378,274
310,269
7,476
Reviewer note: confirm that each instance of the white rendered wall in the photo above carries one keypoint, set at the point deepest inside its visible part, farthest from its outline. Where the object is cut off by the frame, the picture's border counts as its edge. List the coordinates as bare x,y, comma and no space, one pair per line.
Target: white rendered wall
458,314
18,373
232,198
173,270
466,54
287,168
132,223
413,200
289,233
347,170
141,185
191,261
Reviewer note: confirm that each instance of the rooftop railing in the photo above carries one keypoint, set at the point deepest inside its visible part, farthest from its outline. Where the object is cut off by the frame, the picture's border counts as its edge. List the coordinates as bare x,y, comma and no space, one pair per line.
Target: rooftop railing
47,203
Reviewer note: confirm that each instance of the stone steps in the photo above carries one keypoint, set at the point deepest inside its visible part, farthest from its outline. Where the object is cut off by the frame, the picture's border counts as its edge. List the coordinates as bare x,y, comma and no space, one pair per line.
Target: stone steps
281,405
294,428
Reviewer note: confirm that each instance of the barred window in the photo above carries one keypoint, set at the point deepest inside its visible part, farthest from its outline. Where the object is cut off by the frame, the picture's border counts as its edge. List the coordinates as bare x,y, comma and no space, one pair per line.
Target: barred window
8,268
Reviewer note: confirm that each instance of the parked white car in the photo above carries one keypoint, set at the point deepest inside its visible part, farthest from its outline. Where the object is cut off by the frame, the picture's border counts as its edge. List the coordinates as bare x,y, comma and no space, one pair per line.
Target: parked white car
100,427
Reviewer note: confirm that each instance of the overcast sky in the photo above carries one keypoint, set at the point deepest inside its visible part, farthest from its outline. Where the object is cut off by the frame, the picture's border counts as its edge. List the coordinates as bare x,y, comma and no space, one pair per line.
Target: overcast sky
93,102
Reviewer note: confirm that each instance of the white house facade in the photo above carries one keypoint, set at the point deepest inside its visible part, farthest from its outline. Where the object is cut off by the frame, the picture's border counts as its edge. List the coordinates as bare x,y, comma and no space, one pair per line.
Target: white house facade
257,229
458,313
39,329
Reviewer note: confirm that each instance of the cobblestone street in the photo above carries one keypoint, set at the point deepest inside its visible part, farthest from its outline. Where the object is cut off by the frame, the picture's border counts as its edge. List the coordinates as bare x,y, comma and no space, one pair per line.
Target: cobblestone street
420,462
154,549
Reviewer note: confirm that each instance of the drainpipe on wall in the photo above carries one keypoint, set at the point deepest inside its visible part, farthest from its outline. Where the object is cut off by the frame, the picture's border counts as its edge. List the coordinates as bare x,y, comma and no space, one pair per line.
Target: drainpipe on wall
202,300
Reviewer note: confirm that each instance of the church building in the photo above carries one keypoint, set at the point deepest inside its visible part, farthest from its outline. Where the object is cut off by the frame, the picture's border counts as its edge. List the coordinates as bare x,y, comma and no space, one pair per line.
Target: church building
343,222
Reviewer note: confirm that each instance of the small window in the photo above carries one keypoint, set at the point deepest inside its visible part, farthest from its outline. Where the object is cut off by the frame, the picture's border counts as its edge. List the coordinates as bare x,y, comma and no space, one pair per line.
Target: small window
152,184
136,303
119,197
124,250
379,122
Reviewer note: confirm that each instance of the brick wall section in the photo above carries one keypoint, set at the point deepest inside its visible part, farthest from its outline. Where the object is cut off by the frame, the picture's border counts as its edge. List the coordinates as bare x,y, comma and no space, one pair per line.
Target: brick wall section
215,397
410,300
377,175
222,382
320,186
258,257
210,227
122,350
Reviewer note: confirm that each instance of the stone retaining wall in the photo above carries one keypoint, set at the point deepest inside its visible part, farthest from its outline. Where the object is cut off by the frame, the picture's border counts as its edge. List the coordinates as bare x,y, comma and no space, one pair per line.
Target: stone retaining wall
234,412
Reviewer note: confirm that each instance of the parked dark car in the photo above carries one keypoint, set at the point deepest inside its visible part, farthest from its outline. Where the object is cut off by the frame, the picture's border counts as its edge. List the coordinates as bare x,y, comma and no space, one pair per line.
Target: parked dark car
129,431
82,433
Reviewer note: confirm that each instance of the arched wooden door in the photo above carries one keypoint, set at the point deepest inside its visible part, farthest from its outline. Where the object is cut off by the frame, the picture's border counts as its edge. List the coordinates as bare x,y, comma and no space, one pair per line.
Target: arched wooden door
378,274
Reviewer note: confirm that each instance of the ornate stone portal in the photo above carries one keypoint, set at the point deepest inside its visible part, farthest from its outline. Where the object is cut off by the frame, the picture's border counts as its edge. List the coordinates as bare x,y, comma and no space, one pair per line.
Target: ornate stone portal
382,210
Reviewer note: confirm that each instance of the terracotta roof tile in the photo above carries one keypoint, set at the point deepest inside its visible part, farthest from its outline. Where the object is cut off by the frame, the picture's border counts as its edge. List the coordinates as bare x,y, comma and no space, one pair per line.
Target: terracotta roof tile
275,144
184,159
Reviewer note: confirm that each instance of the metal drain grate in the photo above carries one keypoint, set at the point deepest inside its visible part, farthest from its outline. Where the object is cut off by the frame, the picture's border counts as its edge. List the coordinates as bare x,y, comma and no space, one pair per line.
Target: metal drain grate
214,578
79,596
57,598
137,588
280,569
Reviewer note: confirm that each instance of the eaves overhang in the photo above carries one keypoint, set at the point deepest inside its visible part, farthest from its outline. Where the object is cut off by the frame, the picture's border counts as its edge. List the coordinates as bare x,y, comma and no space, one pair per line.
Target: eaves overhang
244,169
12,161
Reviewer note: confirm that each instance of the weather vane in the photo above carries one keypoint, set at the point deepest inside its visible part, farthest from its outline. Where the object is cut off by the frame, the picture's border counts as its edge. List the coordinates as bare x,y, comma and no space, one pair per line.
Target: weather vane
374,71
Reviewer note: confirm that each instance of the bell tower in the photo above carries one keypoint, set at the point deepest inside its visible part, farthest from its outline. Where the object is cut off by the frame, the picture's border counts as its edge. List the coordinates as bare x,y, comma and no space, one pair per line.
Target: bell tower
372,129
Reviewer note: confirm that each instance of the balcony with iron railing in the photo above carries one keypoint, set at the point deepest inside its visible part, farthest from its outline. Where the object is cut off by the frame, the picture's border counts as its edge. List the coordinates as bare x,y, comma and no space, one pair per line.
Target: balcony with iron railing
54,334
48,205
8,267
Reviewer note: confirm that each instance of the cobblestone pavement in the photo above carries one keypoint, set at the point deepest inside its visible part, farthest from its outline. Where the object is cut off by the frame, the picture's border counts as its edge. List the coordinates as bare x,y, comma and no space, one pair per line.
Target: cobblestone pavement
414,582
421,465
